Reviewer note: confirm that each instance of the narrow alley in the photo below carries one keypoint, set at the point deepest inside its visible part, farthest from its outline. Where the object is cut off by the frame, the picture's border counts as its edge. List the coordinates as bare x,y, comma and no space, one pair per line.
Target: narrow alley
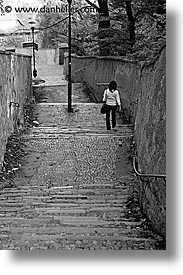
73,188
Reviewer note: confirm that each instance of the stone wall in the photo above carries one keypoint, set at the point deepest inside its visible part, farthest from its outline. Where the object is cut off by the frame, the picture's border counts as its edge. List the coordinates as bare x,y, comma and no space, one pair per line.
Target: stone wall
42,56
15,86
142,89
150,135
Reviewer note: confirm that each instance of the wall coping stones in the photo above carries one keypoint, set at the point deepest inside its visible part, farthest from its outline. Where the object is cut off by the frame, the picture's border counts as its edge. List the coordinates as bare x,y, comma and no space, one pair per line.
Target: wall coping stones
15,54
141,64
116,58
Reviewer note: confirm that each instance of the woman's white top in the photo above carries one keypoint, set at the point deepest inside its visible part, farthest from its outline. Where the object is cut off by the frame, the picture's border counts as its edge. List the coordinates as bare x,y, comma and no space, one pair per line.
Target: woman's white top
111,98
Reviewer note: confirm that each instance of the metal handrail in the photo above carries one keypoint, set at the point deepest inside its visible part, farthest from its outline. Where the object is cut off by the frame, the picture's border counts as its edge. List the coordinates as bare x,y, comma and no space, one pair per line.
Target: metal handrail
146,175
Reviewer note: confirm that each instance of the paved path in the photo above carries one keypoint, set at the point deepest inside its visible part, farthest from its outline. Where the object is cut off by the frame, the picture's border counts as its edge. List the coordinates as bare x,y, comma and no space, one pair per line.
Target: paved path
73,188
52,75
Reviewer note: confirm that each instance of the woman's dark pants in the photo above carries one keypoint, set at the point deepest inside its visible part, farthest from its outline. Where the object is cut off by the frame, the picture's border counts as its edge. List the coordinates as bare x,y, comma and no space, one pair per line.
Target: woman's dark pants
108,111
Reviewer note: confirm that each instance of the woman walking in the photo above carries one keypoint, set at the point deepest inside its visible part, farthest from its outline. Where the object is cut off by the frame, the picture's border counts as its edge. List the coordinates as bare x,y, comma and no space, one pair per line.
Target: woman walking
112,100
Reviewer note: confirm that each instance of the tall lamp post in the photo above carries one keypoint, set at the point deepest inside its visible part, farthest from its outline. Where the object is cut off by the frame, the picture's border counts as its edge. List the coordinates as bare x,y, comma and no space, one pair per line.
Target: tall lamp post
69,62
32,23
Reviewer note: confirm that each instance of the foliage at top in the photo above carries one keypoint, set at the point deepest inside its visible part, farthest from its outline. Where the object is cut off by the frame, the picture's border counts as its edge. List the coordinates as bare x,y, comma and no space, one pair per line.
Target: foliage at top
135,29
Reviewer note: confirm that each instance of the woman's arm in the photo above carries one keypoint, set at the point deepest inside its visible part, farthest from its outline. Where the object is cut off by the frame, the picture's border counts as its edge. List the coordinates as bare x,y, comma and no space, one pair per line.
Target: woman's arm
118,99
105,96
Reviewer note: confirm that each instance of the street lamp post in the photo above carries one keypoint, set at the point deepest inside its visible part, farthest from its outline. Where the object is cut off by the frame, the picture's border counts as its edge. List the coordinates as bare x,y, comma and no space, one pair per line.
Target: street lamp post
33,51
69,62
32,23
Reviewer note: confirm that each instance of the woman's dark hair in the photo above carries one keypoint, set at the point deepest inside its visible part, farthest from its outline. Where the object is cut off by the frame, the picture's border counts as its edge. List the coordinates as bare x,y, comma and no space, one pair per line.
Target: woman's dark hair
112,85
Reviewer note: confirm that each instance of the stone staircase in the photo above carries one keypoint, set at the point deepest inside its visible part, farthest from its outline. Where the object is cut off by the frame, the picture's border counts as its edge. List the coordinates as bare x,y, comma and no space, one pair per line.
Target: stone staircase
89,216
74,186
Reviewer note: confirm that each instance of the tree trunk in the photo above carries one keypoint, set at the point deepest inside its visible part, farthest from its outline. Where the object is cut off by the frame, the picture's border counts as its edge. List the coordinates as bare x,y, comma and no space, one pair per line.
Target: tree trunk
104,24
131,23
104,21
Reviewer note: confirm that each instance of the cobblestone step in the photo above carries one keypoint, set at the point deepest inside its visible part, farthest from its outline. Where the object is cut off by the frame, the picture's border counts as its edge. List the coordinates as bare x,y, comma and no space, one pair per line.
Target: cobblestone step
46,198
45,194
61,244
56,226
57,115
62,222
47,133
40,236
56,202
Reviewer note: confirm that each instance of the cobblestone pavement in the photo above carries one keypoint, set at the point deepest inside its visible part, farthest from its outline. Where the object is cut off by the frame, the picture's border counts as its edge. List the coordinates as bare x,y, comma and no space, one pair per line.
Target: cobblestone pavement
73,188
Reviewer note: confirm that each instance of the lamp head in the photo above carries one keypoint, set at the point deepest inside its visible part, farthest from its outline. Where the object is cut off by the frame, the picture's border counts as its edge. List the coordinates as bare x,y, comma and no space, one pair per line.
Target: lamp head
32,24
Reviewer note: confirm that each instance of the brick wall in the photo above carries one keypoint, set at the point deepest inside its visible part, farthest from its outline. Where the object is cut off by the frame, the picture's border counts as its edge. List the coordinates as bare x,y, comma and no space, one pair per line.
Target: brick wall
15,86
145,83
